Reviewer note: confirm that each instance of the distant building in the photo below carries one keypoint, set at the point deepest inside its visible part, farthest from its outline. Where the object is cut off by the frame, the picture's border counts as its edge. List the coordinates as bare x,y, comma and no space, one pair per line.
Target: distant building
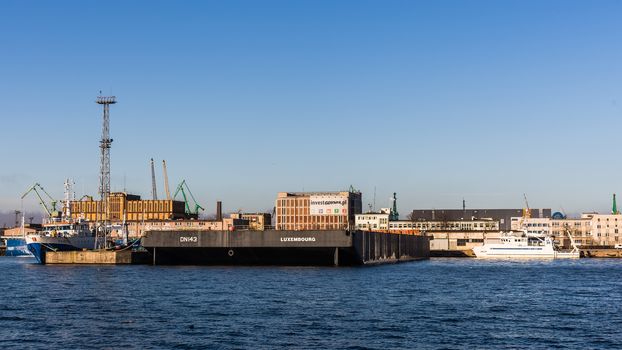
129,207
606,229
503,216
450,225
17,231
580,229
461,240
534,226
256,221
373,221
317,210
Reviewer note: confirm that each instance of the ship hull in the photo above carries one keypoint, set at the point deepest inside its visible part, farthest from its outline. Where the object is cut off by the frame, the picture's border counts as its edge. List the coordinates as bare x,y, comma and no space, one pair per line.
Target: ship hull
500,252
39,245
17,247
275,247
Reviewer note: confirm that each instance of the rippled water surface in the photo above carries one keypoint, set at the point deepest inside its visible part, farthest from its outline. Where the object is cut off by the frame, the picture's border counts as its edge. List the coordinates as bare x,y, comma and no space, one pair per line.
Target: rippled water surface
440,303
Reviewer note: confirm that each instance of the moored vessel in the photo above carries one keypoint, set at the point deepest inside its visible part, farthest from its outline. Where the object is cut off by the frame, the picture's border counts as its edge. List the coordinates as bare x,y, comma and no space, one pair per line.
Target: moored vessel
62,236
522,245
16,246
62,233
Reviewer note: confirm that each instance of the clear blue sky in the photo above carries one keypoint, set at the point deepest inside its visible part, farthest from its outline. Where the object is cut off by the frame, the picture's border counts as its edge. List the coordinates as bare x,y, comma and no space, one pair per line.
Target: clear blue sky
435,100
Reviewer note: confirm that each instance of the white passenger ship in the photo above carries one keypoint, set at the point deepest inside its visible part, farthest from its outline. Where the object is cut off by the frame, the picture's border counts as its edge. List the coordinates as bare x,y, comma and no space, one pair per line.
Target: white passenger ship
524,246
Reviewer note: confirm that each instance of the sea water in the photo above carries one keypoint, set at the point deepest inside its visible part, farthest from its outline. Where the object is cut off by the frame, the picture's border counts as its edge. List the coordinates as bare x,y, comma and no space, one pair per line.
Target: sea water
434,304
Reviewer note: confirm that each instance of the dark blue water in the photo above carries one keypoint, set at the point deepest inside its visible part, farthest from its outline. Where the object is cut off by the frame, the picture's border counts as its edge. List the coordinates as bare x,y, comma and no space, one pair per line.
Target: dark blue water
441,303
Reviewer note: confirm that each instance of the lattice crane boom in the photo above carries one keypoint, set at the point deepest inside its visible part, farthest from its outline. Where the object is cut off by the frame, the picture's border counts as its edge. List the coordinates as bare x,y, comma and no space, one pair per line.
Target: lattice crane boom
527,210
166,188
154,190
53,201
180,188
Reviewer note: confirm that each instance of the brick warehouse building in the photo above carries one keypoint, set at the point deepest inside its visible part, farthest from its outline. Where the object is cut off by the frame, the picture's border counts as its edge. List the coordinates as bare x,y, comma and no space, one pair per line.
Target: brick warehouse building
130,207
317,210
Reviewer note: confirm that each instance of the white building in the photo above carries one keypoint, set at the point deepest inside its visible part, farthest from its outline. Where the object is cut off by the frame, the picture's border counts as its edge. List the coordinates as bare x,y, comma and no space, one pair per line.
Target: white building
581,229
452,225
373,221
380,221
605,229
534,226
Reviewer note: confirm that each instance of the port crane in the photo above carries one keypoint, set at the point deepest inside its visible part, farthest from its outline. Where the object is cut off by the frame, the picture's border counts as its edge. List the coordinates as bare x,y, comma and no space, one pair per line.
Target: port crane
154,191
180,188
33,188
526,210
166,188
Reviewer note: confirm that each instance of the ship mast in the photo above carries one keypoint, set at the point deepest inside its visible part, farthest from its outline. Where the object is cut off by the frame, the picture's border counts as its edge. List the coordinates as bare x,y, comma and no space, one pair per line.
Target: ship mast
69,196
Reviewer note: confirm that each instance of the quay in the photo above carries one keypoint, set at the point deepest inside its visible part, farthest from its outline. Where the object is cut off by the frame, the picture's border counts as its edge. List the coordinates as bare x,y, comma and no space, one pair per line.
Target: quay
283,247
106,257
601,253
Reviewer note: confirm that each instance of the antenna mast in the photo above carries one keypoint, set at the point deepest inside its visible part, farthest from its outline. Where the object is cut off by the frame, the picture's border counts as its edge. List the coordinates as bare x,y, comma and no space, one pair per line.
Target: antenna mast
104,172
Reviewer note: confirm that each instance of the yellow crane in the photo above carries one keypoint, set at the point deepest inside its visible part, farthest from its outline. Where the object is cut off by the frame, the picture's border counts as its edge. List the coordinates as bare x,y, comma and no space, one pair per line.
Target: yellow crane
168,192
526,210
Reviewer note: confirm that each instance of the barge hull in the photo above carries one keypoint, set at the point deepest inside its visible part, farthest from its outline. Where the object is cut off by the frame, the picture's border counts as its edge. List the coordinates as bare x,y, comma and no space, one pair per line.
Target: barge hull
280,247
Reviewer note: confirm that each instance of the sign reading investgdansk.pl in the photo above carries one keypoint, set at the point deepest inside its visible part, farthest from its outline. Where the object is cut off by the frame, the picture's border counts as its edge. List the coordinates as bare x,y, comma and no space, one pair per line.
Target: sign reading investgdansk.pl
328,205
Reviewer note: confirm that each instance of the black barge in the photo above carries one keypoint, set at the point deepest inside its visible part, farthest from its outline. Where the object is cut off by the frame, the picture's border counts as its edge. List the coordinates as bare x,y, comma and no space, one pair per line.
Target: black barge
281,247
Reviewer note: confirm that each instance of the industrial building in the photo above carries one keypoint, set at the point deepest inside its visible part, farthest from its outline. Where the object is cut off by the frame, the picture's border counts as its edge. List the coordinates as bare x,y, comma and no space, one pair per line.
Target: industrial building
317,210
19,232
373,221
381,222
137,228
461,241
255,221
129,207
503,216
605,229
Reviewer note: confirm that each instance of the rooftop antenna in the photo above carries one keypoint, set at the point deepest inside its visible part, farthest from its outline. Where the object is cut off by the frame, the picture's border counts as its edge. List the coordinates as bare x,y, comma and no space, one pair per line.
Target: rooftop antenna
17,212
154,191
104,170
374,198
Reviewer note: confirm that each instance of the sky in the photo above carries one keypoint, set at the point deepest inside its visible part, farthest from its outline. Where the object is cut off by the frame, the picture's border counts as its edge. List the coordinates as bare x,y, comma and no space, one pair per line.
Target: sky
438,101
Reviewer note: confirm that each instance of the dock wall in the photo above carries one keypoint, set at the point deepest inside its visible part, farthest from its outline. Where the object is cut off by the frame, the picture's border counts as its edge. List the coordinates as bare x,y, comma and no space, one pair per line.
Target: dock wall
380,247
95,257
601,253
